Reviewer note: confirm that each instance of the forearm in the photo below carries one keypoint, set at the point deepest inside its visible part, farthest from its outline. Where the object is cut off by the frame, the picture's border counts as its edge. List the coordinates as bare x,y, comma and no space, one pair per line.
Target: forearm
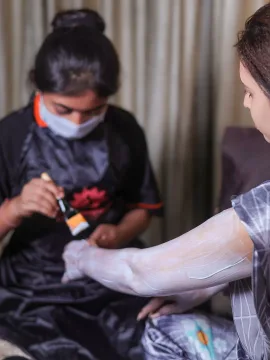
206,294
215,253
4,229
133,224
121,274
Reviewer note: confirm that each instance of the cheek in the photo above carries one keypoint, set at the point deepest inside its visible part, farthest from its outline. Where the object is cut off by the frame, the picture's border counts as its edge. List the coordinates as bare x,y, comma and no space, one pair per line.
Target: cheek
260,113
48,105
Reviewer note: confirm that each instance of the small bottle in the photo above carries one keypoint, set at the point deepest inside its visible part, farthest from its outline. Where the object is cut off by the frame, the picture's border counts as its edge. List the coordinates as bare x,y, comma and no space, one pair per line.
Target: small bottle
73,218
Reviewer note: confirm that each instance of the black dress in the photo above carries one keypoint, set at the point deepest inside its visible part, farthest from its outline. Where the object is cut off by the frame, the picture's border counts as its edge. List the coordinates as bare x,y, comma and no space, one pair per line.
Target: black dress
103,175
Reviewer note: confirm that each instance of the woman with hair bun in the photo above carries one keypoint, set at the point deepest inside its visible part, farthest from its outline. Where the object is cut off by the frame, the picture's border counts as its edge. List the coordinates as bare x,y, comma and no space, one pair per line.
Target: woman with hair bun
96,155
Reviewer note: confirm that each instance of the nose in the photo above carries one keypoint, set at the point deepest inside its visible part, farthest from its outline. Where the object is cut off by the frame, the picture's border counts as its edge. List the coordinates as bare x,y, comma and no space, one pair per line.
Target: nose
246,102
77,118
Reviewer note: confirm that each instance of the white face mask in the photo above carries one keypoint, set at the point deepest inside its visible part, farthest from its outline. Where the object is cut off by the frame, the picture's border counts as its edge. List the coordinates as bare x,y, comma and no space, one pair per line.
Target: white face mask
67,128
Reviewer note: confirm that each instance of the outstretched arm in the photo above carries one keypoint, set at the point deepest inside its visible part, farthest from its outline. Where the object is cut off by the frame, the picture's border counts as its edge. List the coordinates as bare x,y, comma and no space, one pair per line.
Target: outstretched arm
214,253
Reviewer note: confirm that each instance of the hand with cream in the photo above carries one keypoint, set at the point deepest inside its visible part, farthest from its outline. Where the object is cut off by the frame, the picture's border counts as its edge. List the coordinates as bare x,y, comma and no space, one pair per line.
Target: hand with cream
71,256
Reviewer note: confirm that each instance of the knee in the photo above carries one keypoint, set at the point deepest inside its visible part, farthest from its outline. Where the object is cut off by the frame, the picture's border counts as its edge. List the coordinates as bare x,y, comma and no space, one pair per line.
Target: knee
157,341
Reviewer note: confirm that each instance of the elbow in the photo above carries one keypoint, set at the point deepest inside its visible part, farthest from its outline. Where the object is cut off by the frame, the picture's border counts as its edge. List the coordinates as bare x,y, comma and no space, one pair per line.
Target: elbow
139,288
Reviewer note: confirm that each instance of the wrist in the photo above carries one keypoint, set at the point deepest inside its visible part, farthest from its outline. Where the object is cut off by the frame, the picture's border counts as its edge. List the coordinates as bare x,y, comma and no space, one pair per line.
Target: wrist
122,236
85,259
12,214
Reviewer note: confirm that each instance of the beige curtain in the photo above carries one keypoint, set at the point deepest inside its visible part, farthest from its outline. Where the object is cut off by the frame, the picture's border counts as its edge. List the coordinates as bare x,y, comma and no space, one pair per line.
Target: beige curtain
179,78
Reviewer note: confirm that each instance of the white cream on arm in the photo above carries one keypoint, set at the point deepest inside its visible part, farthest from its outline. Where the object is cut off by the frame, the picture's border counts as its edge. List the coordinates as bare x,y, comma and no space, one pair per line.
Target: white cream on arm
214,253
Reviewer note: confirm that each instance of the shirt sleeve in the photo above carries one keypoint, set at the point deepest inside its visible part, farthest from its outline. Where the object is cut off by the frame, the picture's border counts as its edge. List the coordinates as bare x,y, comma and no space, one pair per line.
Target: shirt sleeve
4,183
141,190
14,129
253,209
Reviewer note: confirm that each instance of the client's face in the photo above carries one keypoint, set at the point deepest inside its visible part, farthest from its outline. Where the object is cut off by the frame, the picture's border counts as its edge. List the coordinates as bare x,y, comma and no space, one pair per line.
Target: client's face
257,102
77,109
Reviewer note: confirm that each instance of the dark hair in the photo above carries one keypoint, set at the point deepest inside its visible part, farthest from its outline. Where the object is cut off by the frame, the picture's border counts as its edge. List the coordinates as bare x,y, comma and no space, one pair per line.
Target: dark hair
253,47
76,56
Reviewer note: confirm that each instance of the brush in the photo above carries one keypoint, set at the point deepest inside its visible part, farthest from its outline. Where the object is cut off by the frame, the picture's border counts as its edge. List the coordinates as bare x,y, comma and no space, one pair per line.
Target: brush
73,218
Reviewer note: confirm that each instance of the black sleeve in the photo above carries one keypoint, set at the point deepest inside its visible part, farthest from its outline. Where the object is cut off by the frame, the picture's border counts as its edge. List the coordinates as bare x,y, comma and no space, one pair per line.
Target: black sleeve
4,183
13,131
141,187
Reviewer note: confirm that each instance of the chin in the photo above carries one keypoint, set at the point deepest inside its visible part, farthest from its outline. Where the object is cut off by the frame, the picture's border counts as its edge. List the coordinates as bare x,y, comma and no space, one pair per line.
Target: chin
266,138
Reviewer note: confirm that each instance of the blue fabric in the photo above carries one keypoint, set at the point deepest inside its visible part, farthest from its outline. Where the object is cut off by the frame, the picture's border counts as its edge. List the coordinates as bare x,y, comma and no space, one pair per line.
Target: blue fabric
190,336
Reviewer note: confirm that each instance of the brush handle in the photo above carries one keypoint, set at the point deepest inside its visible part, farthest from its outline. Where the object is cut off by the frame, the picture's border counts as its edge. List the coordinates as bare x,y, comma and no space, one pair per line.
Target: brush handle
76,222
44,176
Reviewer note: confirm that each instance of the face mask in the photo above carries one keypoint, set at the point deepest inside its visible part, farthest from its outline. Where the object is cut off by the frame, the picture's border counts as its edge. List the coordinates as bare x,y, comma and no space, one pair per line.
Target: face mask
67,128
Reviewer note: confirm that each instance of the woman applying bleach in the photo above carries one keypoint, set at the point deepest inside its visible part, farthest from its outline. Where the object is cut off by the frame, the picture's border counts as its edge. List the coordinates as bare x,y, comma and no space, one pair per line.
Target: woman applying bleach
96,156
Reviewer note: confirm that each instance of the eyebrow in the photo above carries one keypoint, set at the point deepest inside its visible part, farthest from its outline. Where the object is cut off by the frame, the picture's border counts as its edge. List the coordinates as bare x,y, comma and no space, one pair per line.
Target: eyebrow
77,110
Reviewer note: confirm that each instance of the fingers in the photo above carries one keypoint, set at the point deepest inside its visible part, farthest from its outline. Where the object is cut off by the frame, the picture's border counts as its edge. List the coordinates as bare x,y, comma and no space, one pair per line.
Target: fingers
43,200
65,279
52,188
150,308
70,275
40,196
96,236
45,193
42,206
159,307
167,310
73,249
103,236
70,256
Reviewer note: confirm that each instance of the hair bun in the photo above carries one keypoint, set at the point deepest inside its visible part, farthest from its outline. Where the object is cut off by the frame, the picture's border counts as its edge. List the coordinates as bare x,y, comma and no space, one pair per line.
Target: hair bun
78,18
